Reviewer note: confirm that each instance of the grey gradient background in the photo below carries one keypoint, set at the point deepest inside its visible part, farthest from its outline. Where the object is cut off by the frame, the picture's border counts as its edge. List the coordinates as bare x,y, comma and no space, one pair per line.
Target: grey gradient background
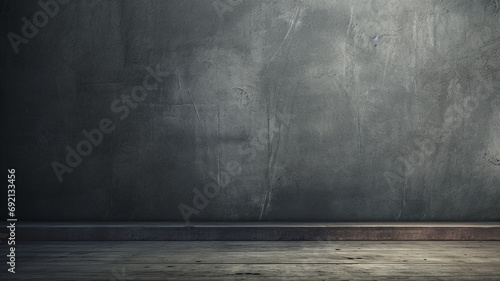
355,108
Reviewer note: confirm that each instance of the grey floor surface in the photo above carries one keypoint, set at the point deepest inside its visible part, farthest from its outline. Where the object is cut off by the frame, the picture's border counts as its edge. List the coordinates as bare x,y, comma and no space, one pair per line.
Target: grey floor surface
258,260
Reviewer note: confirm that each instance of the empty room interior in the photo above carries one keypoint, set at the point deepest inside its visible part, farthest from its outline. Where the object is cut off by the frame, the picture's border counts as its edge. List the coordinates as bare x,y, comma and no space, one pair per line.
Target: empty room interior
250,140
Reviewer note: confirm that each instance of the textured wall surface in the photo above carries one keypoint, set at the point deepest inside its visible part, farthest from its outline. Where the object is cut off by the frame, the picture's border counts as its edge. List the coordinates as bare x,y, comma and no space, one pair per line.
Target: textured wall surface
232,110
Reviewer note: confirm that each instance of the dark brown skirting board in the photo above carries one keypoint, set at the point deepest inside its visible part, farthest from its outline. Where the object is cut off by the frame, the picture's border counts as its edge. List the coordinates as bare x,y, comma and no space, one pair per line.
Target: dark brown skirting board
158,231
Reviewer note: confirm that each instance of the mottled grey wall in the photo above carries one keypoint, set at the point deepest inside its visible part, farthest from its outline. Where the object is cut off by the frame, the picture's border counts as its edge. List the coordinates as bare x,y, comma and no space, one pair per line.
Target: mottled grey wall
262,110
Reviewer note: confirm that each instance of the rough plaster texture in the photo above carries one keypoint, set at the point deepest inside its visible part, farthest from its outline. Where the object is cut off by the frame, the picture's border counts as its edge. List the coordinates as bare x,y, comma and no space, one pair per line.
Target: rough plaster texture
295,107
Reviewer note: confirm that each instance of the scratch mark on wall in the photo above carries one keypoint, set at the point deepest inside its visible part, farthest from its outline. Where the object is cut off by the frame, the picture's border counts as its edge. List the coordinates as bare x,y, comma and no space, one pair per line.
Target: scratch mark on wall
263,205
197,113
359,130
218,145
271,168
349,27
273,152
292,27
389,52
404,190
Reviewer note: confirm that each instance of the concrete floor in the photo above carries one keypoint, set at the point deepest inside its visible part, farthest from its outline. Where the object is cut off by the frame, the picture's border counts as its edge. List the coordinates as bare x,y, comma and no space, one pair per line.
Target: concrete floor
257,260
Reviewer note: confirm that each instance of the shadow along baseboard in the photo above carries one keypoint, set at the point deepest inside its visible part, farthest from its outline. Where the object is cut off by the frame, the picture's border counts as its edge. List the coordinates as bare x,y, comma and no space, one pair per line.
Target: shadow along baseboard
164,231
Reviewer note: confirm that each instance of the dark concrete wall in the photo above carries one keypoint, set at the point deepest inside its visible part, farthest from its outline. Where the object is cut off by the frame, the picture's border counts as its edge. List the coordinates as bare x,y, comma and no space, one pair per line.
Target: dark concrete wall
262,110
